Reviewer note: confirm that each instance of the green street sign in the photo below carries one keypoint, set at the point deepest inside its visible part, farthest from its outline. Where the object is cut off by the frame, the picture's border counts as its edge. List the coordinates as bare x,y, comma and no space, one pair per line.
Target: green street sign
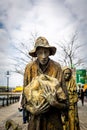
80,76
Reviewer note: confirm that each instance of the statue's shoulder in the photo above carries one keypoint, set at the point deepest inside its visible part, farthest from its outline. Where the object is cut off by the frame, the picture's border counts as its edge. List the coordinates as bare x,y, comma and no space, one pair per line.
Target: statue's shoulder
31,64
54,63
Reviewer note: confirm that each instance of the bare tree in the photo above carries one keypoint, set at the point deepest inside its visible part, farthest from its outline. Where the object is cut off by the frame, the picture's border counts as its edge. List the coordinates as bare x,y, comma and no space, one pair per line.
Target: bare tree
22,57
69,52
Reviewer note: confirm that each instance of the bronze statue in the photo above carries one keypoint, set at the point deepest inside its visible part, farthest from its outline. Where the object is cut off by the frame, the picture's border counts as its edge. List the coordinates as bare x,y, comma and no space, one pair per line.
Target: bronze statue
44,116
12,124
73,119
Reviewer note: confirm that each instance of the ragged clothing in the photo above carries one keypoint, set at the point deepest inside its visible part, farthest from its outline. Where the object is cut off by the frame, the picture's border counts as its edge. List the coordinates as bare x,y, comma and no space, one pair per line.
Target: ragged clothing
51,120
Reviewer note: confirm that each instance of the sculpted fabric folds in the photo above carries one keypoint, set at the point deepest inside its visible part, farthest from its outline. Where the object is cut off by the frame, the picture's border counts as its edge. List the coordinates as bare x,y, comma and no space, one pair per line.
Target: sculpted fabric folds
34,91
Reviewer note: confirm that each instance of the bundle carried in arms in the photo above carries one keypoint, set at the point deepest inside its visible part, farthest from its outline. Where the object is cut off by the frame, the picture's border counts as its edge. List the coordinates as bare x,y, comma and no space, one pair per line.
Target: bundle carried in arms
34,90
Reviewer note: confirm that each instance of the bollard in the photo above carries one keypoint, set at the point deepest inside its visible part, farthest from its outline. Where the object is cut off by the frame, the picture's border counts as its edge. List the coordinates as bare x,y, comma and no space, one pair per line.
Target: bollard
10,100
7,102
3,99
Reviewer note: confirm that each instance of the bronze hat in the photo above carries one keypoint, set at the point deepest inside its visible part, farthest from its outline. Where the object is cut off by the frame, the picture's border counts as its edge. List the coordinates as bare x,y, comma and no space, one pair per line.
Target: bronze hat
42,42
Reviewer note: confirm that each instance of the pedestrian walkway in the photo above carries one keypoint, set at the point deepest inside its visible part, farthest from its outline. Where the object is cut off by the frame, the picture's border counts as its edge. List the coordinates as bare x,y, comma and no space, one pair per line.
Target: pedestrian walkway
7,111
11,112
82,110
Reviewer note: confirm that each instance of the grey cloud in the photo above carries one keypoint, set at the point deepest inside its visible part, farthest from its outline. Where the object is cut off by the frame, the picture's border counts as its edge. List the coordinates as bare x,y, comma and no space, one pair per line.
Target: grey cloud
78,7
52,18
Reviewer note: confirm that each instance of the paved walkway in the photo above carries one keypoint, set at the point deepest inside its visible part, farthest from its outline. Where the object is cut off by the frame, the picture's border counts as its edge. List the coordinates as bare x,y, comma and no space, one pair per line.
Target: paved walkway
11,112
82,110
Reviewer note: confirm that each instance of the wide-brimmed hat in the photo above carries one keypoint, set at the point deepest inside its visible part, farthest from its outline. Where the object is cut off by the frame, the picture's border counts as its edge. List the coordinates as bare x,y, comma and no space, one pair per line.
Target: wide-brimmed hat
42,42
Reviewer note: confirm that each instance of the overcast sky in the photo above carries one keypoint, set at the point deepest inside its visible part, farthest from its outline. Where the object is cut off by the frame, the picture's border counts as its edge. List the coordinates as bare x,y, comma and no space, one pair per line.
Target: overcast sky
53,19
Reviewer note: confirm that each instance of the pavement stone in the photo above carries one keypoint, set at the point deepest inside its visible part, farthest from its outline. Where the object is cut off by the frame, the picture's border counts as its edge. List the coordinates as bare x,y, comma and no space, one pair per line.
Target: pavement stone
11,112
82,111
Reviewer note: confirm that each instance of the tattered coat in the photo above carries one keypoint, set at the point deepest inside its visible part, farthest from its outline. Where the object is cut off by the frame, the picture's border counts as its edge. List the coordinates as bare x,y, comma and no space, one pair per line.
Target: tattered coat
51,120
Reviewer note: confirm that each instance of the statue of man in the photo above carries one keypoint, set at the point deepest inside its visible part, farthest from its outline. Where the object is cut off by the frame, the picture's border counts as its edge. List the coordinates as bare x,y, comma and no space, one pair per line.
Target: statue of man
51,119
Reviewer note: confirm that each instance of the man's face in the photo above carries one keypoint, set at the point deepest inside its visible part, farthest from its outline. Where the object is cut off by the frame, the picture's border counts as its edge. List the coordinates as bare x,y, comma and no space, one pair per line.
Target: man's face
67,74
43,55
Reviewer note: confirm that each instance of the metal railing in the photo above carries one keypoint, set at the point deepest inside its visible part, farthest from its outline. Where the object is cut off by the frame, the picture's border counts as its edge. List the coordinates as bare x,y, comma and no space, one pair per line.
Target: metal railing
8,98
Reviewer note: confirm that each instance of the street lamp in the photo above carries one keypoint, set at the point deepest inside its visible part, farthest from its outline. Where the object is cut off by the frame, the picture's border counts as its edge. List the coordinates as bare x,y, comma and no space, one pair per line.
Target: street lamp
7,75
